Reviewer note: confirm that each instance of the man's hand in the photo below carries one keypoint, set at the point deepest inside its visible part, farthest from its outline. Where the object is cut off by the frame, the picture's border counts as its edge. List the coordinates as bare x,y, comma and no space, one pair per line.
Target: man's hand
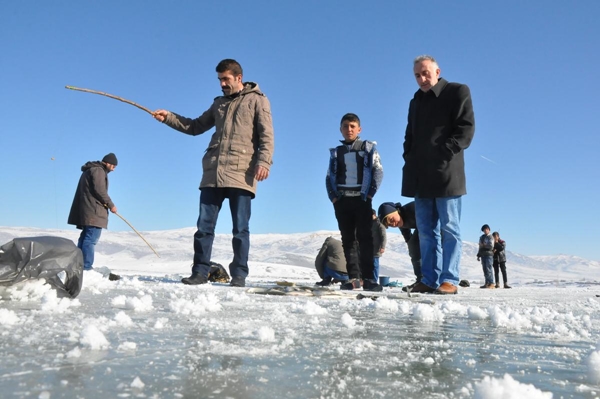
382,250
261,173
113,209
160,115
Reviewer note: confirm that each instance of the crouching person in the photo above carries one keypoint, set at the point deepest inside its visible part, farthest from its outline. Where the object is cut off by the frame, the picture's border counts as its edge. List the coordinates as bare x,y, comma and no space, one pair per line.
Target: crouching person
331,263
403,217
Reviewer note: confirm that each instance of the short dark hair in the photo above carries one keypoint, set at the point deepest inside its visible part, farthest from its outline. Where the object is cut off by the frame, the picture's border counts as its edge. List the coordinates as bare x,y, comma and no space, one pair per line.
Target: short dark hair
485,226
350,117
230,65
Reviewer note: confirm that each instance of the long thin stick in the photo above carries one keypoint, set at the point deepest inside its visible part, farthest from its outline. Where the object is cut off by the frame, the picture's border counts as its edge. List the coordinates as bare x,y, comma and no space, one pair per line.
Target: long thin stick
111,96
138,233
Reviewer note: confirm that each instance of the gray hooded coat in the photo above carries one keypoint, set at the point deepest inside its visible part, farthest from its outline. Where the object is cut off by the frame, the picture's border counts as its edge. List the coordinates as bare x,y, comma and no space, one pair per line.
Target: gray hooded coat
88,207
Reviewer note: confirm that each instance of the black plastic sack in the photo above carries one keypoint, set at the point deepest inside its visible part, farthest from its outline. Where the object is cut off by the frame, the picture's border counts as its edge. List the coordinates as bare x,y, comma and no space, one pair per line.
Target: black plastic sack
43,257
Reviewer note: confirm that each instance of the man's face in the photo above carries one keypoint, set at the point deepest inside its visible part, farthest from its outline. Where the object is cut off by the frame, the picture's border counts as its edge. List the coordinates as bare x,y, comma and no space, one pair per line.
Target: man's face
393,220
486,231
110,167
350,130
230,84
427,74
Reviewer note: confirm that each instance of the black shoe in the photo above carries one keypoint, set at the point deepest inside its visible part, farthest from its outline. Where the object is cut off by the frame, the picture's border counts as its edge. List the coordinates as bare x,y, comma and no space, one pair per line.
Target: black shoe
194,279
420,288
371,285
325,283
407,287
351,284
237,281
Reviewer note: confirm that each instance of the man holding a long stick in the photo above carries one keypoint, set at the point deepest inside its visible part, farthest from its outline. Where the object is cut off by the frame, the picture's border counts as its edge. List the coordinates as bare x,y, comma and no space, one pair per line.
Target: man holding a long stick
238,156
91,204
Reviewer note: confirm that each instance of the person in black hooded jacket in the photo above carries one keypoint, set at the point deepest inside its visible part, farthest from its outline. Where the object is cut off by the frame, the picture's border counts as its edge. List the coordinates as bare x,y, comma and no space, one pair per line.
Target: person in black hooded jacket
395,215
500,260
89,211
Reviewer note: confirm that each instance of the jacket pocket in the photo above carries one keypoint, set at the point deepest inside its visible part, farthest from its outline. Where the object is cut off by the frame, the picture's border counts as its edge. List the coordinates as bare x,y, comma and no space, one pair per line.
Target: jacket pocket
209,160
240,158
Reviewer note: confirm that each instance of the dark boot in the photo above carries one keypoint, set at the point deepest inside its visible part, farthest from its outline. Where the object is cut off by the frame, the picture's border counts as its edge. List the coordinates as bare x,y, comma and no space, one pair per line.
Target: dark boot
351,284
194,279
327,281
506,286
237,281
371,285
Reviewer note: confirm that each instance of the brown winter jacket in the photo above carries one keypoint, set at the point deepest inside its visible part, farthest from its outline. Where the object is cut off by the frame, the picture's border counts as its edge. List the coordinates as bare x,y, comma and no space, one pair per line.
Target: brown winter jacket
243,138
92,194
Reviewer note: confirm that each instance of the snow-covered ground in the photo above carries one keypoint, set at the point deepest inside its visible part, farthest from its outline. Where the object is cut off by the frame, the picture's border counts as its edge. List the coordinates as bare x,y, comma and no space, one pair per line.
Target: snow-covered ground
150,336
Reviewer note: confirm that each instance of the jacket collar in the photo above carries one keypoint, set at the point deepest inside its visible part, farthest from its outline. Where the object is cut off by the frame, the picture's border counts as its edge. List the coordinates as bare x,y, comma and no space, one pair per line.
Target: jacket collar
437,89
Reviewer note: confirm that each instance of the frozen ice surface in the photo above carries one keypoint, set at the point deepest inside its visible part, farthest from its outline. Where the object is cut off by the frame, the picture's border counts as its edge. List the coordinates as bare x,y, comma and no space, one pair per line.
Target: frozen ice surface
149,336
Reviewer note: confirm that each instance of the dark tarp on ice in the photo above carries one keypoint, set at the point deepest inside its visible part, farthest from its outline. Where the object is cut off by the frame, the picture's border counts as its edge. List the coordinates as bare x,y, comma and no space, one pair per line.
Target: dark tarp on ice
43,257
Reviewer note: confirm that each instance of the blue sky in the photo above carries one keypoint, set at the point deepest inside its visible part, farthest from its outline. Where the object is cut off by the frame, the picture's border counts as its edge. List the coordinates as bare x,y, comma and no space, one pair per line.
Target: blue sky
532,170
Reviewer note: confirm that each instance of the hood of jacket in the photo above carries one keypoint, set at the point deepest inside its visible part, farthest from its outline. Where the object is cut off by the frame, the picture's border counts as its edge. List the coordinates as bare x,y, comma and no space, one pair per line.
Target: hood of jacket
93,164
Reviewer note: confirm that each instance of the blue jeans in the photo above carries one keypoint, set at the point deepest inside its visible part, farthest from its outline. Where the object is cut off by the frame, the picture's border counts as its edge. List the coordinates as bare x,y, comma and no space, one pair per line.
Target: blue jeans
376,268
211,200
487,263
328,272
438,222
87,242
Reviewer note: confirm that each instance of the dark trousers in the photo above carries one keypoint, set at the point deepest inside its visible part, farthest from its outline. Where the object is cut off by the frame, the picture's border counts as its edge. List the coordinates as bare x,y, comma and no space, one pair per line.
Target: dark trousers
211,200
355,216
414,251
497,267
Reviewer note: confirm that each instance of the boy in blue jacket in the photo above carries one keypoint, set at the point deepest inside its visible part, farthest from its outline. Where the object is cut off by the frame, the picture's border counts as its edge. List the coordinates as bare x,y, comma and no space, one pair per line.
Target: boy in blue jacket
353,177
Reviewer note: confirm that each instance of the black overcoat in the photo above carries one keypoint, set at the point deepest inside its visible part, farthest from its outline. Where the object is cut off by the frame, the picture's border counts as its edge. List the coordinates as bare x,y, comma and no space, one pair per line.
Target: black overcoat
91,199
441,125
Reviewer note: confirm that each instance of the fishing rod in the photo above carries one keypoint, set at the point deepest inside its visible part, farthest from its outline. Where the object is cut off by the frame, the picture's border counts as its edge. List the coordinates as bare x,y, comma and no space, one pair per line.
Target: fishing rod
110,96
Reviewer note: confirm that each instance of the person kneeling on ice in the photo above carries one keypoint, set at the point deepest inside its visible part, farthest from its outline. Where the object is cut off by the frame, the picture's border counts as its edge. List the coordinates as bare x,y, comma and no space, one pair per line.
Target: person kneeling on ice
403,217
331,263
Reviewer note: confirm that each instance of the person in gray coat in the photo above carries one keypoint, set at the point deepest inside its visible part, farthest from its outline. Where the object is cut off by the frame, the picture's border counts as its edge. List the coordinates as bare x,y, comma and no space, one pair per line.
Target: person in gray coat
89,211
331,262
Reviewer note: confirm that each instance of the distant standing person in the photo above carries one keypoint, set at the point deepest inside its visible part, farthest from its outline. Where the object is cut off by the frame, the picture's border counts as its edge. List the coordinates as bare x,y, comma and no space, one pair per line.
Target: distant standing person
331,263
89,211
500,260
441,125
486,256
353,177
379,243
239,155
403,217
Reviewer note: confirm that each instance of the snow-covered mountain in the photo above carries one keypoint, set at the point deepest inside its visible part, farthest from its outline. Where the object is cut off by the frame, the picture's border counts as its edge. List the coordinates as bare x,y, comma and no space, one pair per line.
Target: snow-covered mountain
300,249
